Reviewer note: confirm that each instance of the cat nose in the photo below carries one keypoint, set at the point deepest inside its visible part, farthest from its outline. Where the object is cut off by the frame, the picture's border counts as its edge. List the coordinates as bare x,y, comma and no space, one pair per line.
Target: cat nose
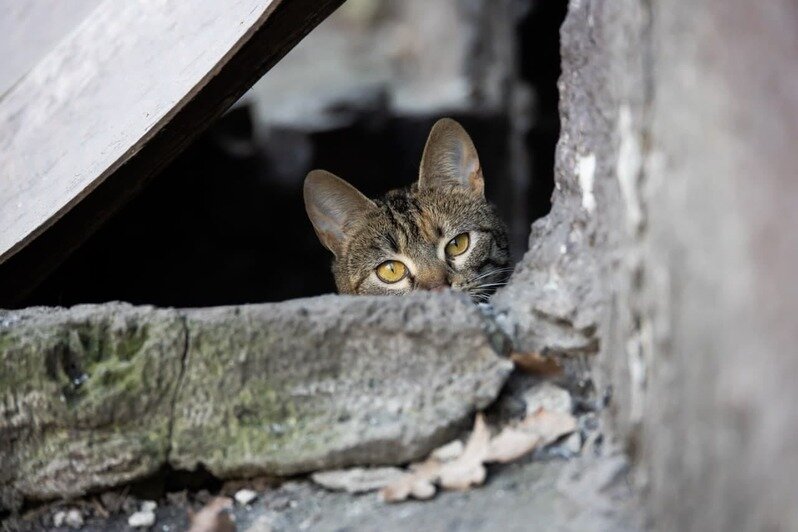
433,280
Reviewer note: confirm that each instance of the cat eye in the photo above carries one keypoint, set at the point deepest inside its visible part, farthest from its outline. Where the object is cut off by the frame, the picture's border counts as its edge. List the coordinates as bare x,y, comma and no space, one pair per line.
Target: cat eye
391,271
458,245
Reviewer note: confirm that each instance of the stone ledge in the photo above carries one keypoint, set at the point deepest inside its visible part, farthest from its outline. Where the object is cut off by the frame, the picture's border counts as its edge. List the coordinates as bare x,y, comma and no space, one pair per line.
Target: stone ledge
98,395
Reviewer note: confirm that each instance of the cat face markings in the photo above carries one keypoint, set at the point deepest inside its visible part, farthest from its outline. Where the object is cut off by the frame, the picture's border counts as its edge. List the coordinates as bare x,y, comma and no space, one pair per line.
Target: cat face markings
439,232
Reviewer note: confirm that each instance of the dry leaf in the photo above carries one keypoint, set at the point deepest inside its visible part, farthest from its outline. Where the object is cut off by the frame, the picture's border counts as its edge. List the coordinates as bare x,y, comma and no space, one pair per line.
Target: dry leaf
548,425
535,430
419,483
213,517
511,444
448,452
358,479
535,363
467,470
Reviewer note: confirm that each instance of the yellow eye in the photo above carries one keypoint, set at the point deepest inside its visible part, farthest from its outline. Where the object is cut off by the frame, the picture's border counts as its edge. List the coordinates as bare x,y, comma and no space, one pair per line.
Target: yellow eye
391,271
458,245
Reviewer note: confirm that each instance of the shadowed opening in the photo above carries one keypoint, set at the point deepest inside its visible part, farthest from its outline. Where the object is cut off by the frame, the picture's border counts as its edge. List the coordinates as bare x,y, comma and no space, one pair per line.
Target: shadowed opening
225,222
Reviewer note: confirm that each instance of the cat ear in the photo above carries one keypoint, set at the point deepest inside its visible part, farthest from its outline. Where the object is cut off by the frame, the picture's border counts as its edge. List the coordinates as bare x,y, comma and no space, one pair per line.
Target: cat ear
331,204
450,158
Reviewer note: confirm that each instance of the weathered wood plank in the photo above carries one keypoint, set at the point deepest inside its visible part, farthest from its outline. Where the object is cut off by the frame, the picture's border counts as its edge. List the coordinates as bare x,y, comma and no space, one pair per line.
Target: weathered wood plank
22,47
115,101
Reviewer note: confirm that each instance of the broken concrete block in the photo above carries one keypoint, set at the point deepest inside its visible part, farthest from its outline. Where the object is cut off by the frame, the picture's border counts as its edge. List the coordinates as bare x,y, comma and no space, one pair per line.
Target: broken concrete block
99,395
86,397
329,382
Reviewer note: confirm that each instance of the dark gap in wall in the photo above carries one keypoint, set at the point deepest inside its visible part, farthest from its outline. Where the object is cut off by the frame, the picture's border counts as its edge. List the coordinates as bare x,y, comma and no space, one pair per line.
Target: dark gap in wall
225,223
539,66
220,226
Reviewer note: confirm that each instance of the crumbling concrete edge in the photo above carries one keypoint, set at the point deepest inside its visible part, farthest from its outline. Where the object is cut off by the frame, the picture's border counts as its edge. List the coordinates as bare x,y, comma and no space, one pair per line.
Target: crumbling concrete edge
482,379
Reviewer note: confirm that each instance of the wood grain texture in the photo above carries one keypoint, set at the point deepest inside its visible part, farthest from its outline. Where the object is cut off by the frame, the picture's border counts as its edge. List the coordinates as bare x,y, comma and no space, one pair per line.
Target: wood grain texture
113,103
20,47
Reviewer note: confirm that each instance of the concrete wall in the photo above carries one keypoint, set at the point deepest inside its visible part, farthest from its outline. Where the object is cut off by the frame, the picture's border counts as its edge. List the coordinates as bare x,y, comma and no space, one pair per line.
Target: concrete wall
671,249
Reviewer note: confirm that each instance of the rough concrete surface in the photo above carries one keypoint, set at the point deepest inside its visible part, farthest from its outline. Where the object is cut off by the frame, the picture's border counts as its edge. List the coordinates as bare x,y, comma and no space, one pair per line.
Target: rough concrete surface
585,494
99,395
670,250
330,382
87,397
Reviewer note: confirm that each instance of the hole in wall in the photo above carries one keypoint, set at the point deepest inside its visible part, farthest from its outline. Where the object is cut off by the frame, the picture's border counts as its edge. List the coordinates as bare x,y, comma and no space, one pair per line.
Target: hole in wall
225,222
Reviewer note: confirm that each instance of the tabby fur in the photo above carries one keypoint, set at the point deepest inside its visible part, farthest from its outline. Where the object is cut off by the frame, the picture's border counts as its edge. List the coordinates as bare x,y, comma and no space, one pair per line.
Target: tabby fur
414,225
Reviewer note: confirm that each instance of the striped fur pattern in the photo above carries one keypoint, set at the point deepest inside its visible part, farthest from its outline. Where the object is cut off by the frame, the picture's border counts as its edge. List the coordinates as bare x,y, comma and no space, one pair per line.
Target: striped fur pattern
415,226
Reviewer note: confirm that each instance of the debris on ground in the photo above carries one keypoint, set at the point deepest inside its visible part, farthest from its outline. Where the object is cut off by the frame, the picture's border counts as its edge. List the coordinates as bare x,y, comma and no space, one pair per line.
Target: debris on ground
141,519
245,496
546,418
72,518
213,517
144,517
447,452
148,506
467,468
357,479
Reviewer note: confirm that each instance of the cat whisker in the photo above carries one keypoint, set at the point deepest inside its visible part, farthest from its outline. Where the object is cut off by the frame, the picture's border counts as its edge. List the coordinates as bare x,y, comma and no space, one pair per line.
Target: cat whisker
486,286
496,271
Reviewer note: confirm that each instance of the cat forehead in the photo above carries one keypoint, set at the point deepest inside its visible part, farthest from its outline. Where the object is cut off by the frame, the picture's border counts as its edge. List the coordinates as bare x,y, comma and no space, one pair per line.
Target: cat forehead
441,209
412,221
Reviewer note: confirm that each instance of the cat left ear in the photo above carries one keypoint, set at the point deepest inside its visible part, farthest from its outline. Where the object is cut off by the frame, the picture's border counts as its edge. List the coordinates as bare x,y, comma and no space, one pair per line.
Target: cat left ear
332,205
450,158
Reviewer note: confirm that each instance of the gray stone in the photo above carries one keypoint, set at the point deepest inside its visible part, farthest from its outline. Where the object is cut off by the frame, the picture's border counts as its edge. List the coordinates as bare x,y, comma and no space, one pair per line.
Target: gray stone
524,496
141,519
329,382
74,519
87,397
668,260
99,395
245,496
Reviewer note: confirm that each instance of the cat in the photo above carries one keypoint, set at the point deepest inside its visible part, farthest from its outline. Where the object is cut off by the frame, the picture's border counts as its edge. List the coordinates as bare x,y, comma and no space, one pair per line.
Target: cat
439,233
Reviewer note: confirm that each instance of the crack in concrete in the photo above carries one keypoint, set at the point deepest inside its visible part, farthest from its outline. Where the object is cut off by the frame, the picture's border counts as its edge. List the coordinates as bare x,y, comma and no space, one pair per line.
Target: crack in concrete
178,386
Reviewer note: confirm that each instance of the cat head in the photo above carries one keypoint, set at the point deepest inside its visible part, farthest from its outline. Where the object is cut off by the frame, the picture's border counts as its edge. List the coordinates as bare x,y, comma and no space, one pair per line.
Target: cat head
439,233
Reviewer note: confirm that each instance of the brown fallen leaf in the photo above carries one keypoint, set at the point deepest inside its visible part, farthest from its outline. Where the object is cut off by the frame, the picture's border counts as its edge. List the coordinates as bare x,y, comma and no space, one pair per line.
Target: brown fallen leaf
357,479
510,444
467,470
418,483
448,452
213,517
548,424
535,363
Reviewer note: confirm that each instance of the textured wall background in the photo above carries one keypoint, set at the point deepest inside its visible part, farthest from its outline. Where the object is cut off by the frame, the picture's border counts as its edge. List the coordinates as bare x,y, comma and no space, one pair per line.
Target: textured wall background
671,251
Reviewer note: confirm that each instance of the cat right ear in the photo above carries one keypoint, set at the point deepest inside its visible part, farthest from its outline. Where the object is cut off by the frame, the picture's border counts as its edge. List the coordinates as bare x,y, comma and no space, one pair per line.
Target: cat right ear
450,158
332,204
